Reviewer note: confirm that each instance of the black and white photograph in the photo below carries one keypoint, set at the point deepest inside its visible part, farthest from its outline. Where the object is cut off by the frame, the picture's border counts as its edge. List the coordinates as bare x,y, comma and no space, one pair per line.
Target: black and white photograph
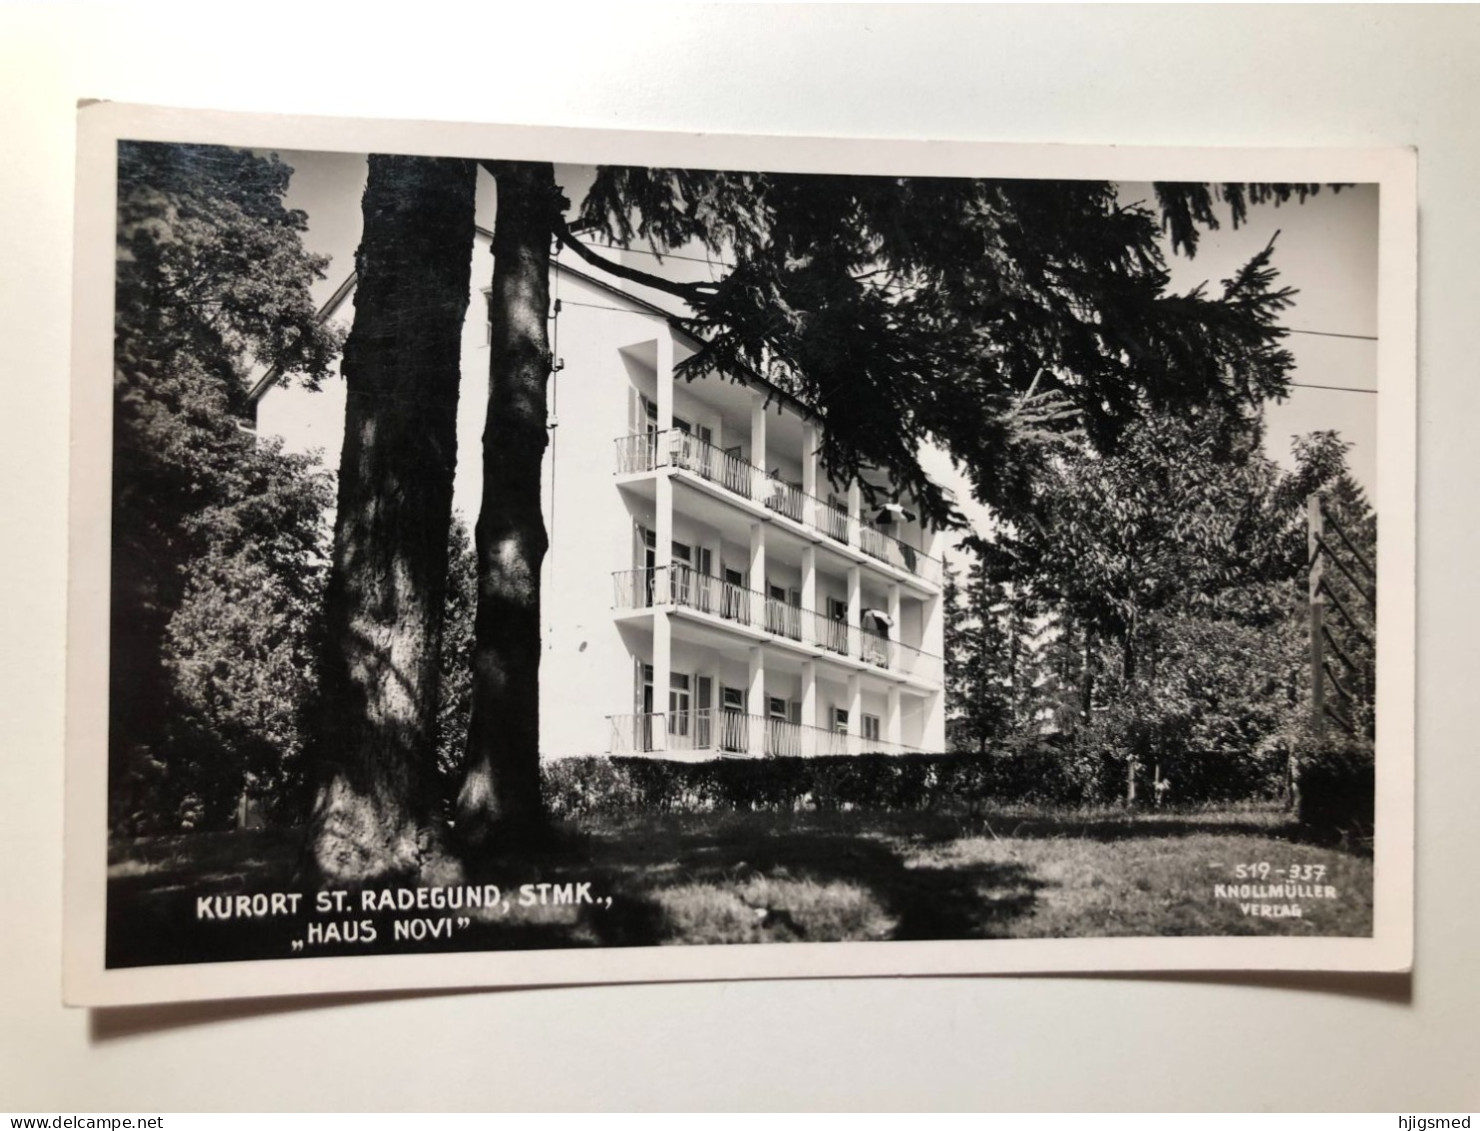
535,557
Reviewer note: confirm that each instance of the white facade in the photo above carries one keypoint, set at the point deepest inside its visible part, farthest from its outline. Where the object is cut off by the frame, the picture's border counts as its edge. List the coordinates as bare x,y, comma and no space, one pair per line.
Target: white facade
707,591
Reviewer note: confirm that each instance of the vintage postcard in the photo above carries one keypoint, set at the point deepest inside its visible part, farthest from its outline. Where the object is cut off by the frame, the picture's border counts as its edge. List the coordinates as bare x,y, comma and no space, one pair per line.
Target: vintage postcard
511,556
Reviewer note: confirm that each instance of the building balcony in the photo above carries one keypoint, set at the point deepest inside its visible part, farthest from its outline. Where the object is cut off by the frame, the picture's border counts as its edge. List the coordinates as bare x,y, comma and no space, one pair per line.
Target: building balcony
733,734
647,452
683,587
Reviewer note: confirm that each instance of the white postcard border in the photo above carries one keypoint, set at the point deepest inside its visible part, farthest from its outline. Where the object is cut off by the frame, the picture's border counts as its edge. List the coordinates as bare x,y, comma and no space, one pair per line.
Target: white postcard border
88,982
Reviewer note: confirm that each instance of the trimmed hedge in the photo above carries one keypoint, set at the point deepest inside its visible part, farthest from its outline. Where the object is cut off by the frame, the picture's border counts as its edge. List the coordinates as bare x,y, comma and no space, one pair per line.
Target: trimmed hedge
1042,774
1202,778
1337,786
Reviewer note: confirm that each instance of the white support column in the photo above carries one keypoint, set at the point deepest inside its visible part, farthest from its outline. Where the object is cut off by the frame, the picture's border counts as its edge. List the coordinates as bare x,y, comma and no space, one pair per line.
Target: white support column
756,603
855,713
758,447
933,628
665,380
897,657
933,738
809,590
893,726
932,540
811,441
663,544
663,541
855,512
809,707
662,676
855,612
756,702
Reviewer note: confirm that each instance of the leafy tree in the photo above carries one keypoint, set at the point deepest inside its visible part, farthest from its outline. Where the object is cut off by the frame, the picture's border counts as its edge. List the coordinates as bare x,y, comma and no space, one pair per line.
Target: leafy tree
240,653
957,630
1179,556
212,289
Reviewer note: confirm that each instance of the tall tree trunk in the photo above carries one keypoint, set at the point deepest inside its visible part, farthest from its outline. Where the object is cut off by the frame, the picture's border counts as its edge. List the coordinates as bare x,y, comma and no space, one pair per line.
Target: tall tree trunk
500,795
376,811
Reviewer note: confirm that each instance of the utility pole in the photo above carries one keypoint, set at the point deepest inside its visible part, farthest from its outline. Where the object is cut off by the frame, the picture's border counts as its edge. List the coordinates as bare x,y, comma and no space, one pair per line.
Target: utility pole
1315,528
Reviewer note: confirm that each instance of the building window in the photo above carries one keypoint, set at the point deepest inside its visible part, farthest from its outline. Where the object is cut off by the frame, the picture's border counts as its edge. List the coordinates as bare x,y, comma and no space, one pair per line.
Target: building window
840,720
871,728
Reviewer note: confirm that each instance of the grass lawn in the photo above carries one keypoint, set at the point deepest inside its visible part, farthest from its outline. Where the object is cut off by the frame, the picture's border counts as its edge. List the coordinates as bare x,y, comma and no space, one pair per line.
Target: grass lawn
761,877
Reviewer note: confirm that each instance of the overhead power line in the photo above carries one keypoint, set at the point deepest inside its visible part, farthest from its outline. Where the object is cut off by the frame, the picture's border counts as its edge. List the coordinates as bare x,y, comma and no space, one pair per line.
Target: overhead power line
1333,334
1334,388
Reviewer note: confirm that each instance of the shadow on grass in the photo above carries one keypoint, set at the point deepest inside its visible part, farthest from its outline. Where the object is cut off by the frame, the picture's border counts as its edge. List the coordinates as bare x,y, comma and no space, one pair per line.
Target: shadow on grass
1107,828
697,878
714,879
652,867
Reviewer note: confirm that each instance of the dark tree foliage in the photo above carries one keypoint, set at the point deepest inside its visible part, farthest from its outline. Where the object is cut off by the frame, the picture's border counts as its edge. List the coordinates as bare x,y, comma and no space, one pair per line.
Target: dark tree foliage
993,663
1187,208
991,317
1181,560
217,538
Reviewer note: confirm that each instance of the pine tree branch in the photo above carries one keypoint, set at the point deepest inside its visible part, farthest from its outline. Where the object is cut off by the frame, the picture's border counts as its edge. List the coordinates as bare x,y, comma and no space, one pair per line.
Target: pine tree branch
690,292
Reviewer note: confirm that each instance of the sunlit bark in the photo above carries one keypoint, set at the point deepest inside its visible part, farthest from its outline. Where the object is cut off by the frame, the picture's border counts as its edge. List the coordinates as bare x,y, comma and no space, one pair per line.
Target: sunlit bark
375,815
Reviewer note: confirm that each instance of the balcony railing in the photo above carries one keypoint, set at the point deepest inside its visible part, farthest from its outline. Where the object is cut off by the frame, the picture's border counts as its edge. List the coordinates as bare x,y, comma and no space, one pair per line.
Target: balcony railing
727,733
685,587
901,555
832,521
715,464
784,498
648,451
637,453
873,648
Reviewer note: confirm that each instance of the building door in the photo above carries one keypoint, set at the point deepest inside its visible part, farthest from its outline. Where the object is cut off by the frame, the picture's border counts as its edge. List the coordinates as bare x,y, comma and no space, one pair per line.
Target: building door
680,710
703,712
836,629
644,736
733,736
734,602
776,610
693,447
682,586
778,734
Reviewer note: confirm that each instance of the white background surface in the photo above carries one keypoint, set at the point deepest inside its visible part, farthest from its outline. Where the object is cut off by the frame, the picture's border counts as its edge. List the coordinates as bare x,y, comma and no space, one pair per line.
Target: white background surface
1249,76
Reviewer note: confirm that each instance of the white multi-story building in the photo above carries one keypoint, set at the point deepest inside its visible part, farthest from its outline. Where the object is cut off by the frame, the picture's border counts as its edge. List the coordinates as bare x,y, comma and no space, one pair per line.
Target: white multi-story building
707,592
